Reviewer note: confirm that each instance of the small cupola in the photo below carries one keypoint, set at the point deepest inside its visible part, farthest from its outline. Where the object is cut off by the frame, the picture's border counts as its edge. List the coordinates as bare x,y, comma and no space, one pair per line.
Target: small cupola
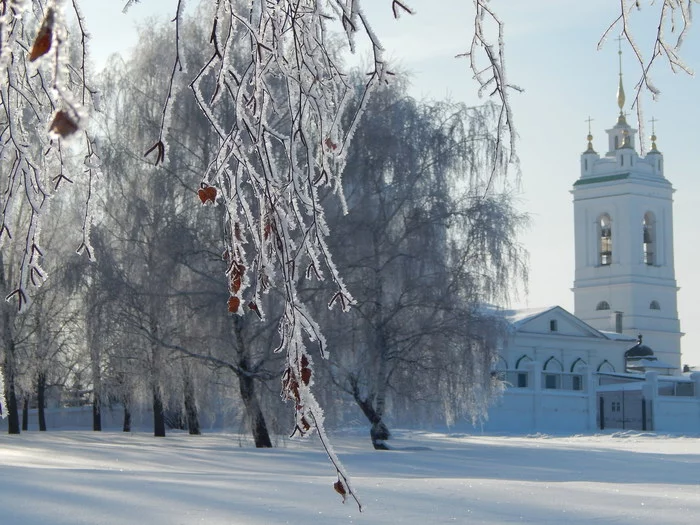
654,156
640,350
589,156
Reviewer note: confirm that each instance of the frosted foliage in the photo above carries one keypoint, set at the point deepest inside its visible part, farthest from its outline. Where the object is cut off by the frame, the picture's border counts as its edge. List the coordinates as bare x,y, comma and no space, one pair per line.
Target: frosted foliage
43,105
272,64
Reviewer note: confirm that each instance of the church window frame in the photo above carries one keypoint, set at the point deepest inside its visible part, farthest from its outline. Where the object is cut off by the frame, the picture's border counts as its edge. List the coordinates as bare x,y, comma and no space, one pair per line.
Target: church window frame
577,373
605,367
605,240
551,381
522,358
649,240
551,362
654,305
522,376
552,376
603,305
577,382
577,364
553,325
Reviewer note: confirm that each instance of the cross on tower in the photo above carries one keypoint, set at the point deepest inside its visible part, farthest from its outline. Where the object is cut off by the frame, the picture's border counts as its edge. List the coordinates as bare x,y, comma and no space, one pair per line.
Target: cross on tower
619,48
620,89
589,120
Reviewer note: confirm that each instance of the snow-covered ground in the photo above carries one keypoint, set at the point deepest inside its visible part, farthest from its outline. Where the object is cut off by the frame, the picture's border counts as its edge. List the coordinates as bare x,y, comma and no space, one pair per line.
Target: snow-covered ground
73,478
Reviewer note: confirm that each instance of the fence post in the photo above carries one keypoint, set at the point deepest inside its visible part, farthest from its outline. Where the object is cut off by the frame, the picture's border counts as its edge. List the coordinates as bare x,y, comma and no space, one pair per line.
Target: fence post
650,392
591,392
536,371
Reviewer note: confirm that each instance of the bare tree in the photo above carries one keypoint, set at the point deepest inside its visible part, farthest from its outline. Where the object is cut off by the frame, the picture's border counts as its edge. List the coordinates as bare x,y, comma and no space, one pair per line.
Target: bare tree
428,239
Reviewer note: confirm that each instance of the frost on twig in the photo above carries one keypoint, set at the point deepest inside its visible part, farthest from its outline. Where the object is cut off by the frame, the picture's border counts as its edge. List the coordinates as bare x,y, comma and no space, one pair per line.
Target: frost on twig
487,63
159,146
673,23
278,99
44,96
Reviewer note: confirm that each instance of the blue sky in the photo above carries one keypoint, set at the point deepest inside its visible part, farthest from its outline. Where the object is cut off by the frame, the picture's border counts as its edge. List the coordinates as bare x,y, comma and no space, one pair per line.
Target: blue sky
551,50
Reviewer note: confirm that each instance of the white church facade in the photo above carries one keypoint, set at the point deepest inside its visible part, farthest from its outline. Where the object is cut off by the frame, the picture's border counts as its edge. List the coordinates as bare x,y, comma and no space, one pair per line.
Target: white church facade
615,363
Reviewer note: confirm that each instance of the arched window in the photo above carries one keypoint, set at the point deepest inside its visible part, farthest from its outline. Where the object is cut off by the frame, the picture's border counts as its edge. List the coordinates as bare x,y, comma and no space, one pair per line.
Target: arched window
605,240
603,305
522,376
522,361
553,364
577,370
648,238
654,305
552,373
577,366
605,367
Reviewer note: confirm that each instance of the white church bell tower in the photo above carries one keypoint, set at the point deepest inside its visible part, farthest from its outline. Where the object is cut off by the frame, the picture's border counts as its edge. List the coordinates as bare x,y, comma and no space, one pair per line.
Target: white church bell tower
623,219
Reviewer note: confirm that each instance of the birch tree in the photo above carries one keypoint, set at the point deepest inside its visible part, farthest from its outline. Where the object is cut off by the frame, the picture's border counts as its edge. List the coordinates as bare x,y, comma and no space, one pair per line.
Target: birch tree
288,140
431,235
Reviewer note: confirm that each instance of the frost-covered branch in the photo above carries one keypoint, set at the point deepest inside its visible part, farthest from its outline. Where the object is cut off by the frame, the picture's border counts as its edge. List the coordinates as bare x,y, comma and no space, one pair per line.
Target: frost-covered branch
43,101
491,77
674,16
159,146
272,71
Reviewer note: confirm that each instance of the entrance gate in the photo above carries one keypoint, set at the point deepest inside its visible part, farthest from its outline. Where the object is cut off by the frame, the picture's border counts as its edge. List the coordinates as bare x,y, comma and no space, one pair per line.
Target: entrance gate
624,409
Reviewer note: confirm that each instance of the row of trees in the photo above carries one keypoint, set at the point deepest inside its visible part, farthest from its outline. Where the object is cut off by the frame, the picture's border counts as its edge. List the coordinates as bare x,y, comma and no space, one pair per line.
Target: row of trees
430,235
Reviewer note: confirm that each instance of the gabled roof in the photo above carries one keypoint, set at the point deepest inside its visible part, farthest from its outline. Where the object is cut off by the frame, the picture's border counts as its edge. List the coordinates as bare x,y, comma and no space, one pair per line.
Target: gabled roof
617,336
530,320
521,316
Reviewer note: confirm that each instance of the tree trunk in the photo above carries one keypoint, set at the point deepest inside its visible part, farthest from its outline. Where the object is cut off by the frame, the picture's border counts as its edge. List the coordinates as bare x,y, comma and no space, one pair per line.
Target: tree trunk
190,404
373,406
126,401
379,432
25,414
255,416
41,400
9,368
127,419
96,412
156,363
11,398
246,385
158,413
94,340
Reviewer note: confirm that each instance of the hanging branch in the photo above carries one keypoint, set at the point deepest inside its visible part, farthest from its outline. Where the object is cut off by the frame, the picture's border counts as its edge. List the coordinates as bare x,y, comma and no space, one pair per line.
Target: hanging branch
673,13
159,146
492,78
41,91
283,140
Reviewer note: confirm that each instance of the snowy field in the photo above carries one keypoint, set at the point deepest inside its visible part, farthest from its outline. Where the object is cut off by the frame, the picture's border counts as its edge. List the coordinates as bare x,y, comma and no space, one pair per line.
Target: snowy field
73,478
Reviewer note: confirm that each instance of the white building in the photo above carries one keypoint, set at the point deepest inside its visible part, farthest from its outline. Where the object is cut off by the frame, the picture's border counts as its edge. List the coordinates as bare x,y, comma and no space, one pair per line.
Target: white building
616,362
